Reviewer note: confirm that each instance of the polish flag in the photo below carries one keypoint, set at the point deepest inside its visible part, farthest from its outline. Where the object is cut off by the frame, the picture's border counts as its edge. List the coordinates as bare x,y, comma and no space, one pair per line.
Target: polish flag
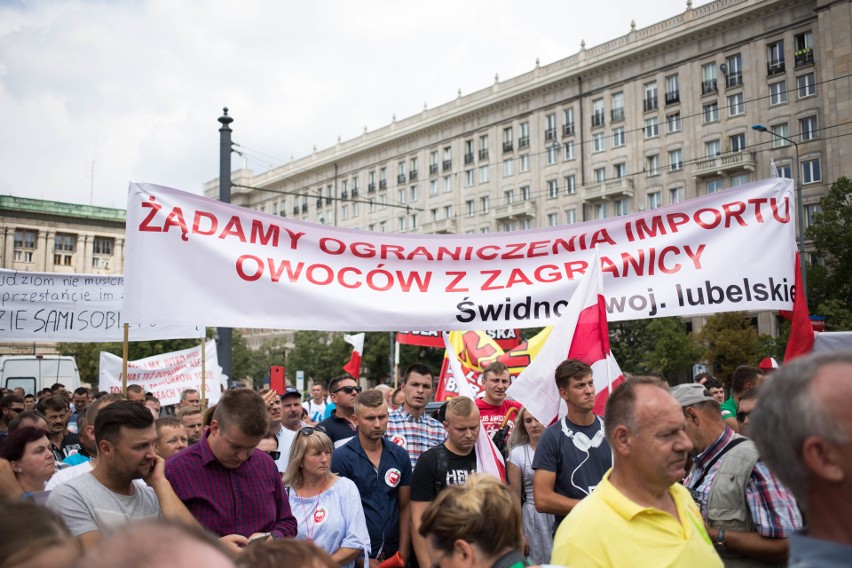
488,457
353,367
801,340
581,333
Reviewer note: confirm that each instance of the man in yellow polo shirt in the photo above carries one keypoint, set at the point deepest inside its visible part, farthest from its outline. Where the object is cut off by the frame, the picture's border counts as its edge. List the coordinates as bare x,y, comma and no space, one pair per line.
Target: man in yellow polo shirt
639,515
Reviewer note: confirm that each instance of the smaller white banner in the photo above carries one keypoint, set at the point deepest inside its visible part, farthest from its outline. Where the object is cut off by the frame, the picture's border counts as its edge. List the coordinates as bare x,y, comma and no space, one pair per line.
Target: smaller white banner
75,308
166,375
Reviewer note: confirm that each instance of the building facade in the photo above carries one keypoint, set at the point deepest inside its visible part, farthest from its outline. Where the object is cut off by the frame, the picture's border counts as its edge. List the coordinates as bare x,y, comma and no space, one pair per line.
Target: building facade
654,117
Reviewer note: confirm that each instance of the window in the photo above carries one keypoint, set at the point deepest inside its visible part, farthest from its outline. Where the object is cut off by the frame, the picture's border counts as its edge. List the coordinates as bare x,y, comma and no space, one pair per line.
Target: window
600,175
738,142
570,216
617,107
806,85
708,85
525,163
600,210
344,212
568,121
778,93
508,139
652,165
400,172
618,136
525,193
433,162
484,203
808,128
711,112
736,105
433,187
383,201
599,142
673,122
714,185
804,44
63,248
713,148
470,207
550,154
412,170
811,211
621,206
483,174
775,58
570,185
524,140
650,102
102,245
383,178
550,131
676,160
483,147
672,89
552,219
508,167
652,127
780,130
509,196
740,179
414,221
448,184
372,206
785,171
675,195
401,195
734,77
448,211
484,230
552,189
619,170
448,158
811,171
509,226
468,178
413,194
598,112
569,150
400,224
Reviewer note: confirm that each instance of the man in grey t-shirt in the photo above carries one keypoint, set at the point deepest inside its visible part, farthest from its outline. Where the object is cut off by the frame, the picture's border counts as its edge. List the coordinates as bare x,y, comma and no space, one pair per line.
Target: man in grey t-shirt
110,495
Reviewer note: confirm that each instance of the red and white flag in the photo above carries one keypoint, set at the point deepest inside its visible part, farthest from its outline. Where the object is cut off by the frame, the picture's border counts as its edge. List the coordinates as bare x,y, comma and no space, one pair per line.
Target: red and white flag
581,333
353,367
801,340
488,457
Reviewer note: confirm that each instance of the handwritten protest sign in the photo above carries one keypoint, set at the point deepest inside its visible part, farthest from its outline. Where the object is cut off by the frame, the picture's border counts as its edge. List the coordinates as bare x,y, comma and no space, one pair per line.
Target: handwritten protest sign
192,259
166,375
47,306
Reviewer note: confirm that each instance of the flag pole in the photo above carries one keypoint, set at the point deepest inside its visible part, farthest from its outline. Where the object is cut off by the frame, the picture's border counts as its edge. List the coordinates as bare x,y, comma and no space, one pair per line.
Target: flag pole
203,370
124,352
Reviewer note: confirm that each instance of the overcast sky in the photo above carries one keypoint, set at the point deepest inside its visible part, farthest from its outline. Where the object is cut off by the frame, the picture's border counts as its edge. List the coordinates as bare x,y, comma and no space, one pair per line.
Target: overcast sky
131,90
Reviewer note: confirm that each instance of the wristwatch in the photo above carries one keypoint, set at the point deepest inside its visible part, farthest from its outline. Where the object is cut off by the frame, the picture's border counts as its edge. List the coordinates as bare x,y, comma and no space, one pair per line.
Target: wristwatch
719,543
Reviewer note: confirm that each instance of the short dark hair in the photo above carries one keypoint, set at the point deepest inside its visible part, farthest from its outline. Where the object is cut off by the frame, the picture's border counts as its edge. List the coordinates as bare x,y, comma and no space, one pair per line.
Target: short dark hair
13,446
570,369
9,399
750,394
743,376
418,368
701,376
152,397
80,391
56,387
243,408
135,388
55,402
495,368
332,384
186,392
713,384
33,415
121,413
96,405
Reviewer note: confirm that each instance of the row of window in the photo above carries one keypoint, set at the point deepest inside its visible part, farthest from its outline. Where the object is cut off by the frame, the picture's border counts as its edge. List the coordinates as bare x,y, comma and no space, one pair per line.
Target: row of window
64,248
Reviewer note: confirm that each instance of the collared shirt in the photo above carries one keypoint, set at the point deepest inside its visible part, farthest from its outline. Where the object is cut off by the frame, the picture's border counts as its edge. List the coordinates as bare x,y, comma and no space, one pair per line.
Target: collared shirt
245,500
608,529
772,507
415,435
379,489
339,429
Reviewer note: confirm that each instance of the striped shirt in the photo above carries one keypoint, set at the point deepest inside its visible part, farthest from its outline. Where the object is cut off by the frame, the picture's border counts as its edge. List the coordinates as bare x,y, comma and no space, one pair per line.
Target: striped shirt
246,500
772,507
415,435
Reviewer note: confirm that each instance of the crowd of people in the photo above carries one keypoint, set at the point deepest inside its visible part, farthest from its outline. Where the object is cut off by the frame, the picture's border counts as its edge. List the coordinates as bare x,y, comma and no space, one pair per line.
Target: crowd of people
668,476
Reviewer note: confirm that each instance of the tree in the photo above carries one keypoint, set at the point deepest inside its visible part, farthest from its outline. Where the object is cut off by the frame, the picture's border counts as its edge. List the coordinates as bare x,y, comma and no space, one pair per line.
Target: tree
320,354
730,340
661,344
830,283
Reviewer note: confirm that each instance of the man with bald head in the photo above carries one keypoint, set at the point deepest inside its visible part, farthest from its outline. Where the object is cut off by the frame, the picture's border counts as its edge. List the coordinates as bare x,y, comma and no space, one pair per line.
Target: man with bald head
639,514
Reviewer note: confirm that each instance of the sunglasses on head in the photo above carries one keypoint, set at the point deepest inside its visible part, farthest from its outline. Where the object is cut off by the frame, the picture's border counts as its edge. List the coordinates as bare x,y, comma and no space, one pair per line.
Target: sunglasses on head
741,415
274,454
349,390
308,430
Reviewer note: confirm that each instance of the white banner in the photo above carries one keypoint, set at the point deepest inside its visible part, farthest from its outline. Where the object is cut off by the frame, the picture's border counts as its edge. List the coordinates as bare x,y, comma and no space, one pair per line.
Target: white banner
166,375
49,306
192,259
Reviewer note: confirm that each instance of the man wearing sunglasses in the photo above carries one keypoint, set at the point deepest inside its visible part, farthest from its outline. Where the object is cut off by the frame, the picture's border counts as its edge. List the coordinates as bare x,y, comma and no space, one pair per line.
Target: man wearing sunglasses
341,425
10,405
748,513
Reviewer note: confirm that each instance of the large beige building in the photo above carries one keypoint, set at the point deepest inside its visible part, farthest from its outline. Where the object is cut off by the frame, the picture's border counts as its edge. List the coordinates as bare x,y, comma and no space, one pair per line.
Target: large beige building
654,117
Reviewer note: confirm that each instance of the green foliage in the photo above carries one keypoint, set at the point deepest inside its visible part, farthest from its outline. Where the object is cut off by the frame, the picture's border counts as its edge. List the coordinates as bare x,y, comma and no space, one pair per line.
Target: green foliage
661,344
320,354
730,340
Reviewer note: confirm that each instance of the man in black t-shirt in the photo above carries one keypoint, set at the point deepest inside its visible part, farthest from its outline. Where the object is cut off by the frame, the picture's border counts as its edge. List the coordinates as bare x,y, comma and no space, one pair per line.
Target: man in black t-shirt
449,463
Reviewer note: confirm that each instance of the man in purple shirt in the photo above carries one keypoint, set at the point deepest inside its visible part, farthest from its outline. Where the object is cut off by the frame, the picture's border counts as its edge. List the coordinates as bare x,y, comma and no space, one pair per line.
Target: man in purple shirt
230,489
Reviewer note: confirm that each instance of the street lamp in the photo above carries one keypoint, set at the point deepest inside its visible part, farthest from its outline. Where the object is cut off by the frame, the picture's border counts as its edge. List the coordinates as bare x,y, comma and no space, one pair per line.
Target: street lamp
800,207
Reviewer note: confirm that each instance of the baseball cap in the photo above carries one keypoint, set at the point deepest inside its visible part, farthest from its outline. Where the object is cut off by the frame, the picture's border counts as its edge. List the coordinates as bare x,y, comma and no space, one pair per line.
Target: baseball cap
691,393
768,364
290,391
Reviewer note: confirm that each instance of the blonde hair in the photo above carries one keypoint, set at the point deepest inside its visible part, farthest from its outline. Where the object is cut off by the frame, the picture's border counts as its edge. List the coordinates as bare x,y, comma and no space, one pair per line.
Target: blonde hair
482,512
317,440
460,406
519,435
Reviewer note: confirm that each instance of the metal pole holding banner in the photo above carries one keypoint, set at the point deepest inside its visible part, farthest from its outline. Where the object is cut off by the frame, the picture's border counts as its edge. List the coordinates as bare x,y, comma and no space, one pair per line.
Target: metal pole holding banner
204,369
124,354
224,344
